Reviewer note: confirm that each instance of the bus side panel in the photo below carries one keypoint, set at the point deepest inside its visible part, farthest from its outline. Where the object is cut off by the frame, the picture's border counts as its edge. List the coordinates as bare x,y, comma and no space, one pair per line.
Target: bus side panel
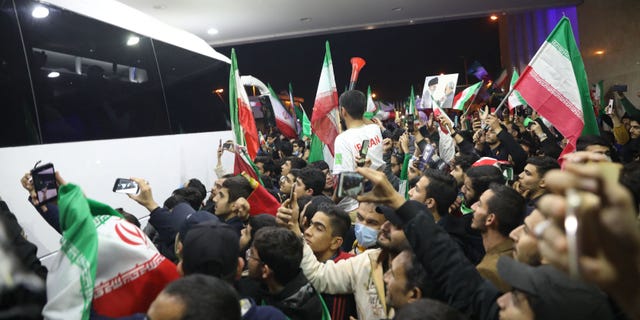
167,162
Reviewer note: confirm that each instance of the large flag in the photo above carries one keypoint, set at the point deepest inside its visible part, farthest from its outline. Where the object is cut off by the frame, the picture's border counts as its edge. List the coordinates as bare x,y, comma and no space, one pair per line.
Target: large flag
515,99
106,264
371,106
466,95
325,120
242,122
555,85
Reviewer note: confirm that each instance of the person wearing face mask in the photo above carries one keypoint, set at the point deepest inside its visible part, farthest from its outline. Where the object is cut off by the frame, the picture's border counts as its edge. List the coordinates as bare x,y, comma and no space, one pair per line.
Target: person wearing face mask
367,226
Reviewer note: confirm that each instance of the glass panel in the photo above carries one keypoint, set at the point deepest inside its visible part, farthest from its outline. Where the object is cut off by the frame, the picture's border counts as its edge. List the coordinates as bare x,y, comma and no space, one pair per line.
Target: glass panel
92,80
17,111
190,81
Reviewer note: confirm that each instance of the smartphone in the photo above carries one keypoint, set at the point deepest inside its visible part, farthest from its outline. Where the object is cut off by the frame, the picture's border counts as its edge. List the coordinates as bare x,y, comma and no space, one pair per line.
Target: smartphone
123,185
350,184
609,108
427,153
410,124
364,149
44,183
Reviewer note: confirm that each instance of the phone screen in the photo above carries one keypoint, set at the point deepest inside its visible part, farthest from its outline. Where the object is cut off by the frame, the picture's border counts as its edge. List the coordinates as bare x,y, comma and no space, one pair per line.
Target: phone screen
364,149
44,182
350,184
123,185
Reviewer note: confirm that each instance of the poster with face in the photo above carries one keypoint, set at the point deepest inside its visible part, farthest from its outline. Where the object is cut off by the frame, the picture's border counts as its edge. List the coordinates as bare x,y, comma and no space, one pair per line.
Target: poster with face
439,91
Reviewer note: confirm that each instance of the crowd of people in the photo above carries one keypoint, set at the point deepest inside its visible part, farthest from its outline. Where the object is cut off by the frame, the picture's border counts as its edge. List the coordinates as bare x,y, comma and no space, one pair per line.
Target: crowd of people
468,220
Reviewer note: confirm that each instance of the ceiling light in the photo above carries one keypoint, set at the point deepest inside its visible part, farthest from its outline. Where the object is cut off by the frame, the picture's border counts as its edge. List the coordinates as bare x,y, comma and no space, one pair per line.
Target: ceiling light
493,17
212,31
397,9
369,27
53,74
133,40
306,19
40,12
599,52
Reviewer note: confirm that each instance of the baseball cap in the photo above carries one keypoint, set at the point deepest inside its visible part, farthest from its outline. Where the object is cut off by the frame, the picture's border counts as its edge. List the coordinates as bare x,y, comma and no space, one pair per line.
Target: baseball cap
552,294
193,219
391,215
211,248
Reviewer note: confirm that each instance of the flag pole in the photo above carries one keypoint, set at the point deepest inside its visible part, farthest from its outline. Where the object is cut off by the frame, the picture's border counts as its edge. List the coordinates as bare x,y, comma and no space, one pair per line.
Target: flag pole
504,99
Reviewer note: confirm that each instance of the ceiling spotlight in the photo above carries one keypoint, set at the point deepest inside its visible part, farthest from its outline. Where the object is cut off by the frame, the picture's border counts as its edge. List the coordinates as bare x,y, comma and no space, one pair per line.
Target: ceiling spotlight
39,12
599,52
212,31
369,27
397,9
493,17
53,74
133,40
306,19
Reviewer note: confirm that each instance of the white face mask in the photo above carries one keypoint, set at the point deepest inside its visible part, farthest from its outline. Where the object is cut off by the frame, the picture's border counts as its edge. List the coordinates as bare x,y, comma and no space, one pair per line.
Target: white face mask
366,236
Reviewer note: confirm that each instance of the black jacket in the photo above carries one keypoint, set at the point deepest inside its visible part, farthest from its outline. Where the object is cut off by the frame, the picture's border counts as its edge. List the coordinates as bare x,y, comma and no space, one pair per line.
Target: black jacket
298,299
508,147
454,278
471,244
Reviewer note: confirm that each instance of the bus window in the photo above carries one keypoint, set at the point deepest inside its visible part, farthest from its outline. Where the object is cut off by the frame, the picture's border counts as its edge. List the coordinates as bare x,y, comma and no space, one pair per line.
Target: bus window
91,80
17,111
189,81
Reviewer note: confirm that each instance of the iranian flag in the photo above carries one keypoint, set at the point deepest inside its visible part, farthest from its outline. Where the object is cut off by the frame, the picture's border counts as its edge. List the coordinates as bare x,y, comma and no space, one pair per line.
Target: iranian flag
371,106
260,200
106,264
598,95
325,120
242,122
555,85
285,122
466,95
501,80
412,103
515,99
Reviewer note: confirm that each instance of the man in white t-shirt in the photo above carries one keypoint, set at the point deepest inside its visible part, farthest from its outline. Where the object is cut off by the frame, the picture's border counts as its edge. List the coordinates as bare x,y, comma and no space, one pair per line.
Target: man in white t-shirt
348,144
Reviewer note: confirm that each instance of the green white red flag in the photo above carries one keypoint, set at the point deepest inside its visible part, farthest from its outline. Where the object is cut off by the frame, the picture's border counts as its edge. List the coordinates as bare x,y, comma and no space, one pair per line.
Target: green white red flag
325,120
515,99
106,264
412,103
285,122
501,80
371,106
598,95
242,122
555,85
465,96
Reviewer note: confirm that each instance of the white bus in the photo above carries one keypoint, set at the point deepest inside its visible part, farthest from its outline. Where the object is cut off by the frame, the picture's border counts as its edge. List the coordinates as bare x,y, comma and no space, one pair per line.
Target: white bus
103,91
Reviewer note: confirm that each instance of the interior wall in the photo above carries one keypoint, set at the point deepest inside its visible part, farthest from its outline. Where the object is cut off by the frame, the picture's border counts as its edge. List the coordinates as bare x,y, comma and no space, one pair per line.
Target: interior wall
612,26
